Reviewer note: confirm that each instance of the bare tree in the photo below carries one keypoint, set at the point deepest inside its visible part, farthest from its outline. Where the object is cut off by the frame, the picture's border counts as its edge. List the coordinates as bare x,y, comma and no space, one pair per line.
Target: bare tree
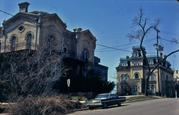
143,29
31,72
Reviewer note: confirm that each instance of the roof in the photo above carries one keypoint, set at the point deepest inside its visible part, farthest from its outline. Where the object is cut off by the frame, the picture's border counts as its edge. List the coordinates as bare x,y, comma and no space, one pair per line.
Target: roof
38,13
137,47
89,33
34,15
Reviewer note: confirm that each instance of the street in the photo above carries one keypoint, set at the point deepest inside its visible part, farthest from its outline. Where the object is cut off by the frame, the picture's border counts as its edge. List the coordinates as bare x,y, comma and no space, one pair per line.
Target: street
153,107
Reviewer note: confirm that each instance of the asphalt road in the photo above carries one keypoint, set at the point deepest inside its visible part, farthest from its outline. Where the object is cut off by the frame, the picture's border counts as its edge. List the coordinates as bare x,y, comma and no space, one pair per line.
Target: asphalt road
152,107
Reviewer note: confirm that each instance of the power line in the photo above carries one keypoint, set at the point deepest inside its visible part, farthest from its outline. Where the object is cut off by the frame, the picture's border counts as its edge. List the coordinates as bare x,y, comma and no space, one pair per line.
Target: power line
118,46
108,50
172,41
168,33
6,13
109,47
127,44
172,35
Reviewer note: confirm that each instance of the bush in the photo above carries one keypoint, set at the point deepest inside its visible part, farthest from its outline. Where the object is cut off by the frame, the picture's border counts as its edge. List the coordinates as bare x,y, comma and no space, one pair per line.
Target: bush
4,90
44,106
83,84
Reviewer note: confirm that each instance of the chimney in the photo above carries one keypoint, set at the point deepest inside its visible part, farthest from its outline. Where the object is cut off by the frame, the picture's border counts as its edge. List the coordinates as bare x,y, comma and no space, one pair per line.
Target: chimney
23,7
77,32
77,29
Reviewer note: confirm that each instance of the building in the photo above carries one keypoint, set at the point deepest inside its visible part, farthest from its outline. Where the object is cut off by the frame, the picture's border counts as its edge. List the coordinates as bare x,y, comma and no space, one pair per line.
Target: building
176,75
132,72
100,70
45,32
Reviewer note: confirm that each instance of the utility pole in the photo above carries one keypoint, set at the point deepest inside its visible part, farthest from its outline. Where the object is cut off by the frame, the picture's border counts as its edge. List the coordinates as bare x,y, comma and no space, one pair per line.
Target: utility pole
159,48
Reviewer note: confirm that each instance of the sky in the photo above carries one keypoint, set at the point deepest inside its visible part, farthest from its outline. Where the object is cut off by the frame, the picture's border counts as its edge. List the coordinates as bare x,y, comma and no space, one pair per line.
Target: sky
111,21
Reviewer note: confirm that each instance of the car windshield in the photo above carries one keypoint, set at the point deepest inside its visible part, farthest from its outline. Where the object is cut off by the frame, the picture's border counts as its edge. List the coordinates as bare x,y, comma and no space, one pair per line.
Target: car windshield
102,96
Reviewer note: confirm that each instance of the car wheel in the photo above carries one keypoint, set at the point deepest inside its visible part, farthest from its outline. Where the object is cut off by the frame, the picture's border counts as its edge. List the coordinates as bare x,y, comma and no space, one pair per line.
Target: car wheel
119,104
91,107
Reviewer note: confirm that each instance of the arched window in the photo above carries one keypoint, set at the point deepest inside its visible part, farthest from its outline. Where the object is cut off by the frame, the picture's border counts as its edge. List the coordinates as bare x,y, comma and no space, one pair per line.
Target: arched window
13,43
64,50
136,75
85,55
50,41
28,41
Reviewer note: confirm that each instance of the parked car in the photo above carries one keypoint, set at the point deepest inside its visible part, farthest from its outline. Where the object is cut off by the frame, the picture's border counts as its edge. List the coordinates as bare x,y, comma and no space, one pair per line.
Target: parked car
104,100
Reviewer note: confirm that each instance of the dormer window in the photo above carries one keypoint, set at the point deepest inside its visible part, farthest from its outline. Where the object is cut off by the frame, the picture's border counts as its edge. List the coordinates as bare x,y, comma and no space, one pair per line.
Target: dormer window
125,64
139,53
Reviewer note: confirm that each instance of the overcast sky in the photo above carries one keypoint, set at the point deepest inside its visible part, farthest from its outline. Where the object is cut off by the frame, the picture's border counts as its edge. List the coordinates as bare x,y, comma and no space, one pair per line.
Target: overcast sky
110,21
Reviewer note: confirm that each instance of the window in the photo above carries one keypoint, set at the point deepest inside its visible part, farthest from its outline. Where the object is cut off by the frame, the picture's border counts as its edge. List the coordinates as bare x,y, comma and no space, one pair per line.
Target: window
167,78
152,78
13,43
124,77
152,88
21,28
136,63
154,60
124,64
139,53
64,50
151,62
136,75
85,55
29,41
50,41
128,63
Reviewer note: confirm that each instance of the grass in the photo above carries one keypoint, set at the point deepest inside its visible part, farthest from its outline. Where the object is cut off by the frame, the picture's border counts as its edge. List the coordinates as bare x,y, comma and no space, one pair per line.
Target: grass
140,98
